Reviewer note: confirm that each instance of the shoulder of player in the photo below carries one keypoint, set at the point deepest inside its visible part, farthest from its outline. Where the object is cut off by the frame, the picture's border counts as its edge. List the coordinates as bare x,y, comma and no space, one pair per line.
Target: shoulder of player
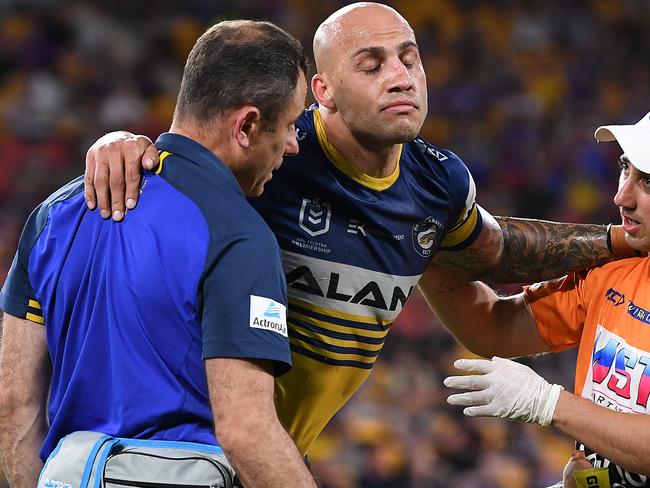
423,152
433,162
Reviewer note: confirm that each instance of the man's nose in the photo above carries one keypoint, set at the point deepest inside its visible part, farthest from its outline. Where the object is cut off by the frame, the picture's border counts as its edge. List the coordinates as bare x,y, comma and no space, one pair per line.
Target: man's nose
400,79
625,195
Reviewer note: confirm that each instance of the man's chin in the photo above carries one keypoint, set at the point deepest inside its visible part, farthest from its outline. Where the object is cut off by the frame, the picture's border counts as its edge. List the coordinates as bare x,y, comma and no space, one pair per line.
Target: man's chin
403,130
641,244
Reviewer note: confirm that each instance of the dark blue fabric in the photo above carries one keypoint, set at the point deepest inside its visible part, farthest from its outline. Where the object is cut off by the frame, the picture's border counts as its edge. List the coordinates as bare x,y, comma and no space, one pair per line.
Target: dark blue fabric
132,308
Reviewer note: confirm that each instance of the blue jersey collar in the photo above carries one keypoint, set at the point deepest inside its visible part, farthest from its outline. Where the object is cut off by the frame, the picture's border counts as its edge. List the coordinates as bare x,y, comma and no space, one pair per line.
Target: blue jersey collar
187,148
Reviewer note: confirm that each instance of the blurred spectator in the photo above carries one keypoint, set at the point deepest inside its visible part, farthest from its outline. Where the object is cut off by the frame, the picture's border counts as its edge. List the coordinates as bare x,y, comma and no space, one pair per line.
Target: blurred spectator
516,88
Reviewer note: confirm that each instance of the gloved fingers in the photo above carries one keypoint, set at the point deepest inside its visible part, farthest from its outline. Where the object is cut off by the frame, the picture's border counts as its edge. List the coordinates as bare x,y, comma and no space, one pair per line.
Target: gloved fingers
467,382
475,365
508,363
480,411
469,398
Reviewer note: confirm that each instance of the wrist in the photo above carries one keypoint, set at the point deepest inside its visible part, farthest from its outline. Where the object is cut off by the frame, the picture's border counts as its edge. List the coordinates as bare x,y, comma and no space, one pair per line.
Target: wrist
550,405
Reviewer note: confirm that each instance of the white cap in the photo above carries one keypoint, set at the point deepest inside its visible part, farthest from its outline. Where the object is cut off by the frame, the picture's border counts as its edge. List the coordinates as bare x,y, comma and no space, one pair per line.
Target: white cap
633,139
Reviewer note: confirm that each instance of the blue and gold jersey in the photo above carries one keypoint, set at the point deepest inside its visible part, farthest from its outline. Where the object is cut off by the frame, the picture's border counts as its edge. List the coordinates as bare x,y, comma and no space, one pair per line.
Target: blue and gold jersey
354,248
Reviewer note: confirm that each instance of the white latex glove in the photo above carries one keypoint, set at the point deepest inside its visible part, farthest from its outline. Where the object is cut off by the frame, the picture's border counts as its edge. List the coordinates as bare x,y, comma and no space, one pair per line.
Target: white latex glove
504,389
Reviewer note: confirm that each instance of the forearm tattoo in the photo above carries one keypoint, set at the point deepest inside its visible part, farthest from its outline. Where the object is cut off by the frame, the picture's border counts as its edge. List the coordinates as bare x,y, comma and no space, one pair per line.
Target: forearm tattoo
533,250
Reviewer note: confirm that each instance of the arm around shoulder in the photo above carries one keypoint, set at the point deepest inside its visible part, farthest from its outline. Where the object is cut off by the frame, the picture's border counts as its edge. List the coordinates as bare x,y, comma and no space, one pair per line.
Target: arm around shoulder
517,250
247,426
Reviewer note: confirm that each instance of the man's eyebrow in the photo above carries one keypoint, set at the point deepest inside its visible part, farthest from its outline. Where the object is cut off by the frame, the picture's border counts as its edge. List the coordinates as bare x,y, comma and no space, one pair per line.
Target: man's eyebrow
625,160
408,44
379,51
374,50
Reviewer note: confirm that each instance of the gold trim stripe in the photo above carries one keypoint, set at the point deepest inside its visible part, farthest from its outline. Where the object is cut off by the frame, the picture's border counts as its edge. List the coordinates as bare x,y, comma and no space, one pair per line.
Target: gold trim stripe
333,341
162,157
348,168
344,329
34,304
35,318
462,230
332,355
364,319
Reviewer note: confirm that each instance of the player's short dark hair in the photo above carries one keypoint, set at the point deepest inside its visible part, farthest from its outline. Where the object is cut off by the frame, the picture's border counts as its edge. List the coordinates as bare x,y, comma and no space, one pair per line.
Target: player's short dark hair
237,63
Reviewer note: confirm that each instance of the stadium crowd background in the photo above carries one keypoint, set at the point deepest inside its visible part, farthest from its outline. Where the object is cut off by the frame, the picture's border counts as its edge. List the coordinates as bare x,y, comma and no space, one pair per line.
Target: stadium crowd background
516,88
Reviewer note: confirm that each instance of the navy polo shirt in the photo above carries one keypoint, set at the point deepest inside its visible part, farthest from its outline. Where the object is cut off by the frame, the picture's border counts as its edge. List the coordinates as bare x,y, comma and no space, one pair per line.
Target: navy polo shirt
132,308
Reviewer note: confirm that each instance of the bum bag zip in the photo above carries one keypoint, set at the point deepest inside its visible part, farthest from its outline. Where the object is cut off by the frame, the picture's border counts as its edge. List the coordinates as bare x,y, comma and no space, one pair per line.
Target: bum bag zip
146,484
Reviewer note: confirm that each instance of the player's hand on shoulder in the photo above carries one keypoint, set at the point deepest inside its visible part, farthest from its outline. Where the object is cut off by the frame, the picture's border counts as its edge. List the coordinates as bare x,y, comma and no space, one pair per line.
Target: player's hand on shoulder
113,170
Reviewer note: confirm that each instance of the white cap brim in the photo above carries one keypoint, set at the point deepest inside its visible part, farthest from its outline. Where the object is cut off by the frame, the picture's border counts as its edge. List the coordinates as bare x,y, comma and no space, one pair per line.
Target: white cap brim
633,139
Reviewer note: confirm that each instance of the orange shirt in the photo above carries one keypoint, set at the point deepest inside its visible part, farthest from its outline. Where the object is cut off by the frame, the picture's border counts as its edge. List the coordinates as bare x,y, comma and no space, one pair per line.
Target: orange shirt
606,313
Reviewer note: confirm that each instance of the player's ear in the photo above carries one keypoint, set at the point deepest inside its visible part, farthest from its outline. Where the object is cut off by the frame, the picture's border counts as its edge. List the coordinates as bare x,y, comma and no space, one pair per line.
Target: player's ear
320,87
246,122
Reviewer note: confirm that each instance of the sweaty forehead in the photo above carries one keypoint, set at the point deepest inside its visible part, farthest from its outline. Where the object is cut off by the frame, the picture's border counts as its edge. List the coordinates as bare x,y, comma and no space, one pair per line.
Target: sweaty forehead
374,26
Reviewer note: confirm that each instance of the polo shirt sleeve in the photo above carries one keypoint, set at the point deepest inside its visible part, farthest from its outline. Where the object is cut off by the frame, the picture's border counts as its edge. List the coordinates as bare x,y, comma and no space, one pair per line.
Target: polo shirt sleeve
560,309
244,299
17,296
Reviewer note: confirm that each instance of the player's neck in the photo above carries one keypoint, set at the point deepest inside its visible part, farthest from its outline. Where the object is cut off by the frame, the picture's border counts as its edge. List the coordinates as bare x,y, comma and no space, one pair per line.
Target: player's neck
377,161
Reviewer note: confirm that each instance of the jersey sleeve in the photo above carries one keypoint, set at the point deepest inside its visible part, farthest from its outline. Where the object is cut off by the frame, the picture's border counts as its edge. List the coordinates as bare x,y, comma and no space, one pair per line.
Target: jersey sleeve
467,225
17,296
560,309
244,302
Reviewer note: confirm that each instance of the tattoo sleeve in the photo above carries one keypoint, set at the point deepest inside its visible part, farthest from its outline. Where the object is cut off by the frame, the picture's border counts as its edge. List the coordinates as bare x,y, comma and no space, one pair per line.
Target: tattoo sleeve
530,250
537,250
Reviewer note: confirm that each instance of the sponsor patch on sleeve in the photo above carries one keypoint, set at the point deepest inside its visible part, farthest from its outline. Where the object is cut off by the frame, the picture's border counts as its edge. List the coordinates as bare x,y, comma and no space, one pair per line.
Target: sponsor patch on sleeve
267,314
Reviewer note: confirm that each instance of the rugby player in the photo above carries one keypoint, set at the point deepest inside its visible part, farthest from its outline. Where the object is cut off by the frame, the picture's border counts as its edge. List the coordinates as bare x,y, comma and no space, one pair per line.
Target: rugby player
363,211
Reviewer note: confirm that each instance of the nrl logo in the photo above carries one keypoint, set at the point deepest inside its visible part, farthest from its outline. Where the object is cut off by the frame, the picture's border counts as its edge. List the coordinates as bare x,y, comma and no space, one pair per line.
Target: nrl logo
315,217
426,236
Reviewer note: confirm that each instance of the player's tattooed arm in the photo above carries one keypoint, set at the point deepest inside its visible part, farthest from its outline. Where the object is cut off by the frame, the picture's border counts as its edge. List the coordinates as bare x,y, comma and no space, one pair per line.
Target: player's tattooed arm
514,250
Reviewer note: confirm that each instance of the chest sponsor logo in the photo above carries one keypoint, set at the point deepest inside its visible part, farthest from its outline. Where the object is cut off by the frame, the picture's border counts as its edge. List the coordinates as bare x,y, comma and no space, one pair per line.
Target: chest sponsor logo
620,374
614,296
640,314
426,236
267,314
357,227
348,289
315,217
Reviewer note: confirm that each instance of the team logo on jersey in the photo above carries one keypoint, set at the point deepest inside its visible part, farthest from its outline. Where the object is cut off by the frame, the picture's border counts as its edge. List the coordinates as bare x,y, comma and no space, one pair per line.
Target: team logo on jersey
315,217
267,314
426,236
